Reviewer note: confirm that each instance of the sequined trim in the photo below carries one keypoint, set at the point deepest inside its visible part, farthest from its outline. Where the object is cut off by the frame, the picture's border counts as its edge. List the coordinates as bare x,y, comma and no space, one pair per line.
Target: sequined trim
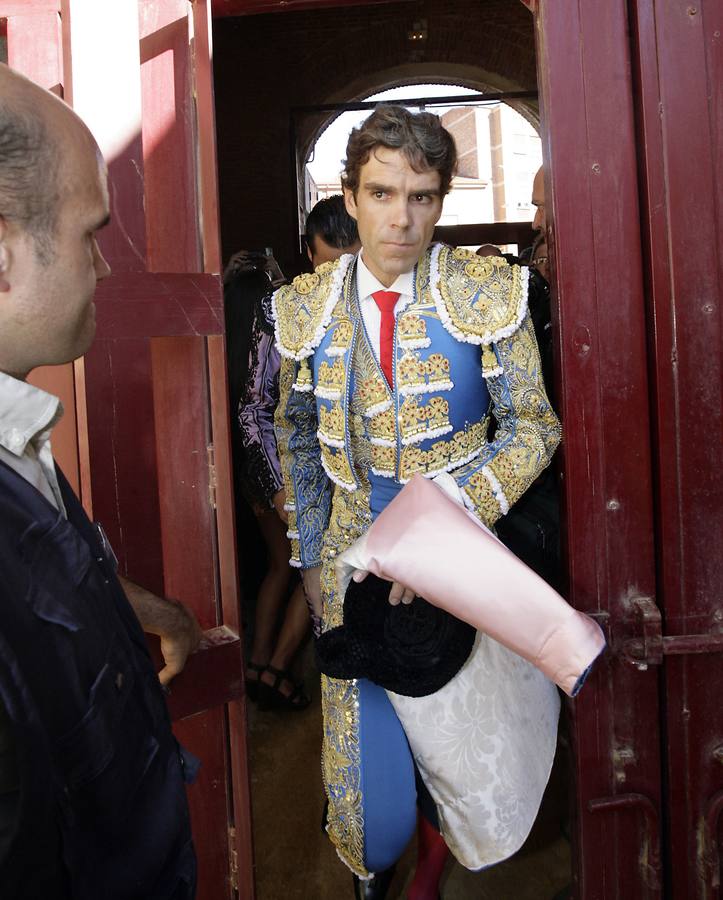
373,395
341,753
478,491
412,332
480,300
302,310
444,456
423,376
419,422
336,465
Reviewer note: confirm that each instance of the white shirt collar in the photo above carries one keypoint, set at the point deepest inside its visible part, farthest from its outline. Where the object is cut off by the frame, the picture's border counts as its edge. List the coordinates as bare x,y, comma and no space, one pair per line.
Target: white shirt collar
26,414
367,283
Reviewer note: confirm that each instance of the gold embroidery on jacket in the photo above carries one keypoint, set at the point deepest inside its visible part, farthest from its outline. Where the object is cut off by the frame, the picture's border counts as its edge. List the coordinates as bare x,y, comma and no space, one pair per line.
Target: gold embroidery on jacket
341,753
444,456
331,425
419,422
412,331
331,379
341,337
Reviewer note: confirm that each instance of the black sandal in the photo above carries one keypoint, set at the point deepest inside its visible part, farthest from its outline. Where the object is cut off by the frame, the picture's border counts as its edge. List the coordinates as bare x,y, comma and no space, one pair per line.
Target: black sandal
252,685
271,696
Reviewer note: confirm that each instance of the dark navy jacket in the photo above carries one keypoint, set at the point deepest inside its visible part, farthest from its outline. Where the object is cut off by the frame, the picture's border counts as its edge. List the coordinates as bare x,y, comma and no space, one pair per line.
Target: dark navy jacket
102,811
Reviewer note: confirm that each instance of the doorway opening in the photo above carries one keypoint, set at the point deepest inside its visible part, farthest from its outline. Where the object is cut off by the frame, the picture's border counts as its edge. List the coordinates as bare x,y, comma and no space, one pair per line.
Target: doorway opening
270,135
498,149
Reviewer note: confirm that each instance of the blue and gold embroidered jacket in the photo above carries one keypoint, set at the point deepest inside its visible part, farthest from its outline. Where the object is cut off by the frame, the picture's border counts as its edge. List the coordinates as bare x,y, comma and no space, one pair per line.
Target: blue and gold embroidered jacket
464,349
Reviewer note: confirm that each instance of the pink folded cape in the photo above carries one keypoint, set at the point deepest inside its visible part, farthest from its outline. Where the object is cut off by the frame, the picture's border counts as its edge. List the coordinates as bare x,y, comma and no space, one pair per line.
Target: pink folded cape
432,544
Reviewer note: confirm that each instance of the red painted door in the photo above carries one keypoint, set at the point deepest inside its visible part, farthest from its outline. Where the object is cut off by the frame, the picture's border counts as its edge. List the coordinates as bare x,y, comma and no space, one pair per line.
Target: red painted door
150,444
679,71
590,147
632,102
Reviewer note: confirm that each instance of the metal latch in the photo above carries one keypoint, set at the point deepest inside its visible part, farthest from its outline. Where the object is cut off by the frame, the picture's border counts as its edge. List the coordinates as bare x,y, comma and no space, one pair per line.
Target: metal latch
650,648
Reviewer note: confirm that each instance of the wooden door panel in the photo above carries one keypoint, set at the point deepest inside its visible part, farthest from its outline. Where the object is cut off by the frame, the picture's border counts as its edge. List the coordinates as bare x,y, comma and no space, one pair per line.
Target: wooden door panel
252,7
582,58
680,111
205,735
155,377
183,456
168,137
122,454
34,44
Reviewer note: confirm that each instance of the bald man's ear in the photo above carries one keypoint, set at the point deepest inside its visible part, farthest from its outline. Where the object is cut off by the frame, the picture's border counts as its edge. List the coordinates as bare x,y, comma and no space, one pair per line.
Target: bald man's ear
4,257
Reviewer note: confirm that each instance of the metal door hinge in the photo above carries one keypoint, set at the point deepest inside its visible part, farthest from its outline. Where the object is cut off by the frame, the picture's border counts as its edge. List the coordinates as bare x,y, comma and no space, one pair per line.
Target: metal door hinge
211,456
651,646
232,858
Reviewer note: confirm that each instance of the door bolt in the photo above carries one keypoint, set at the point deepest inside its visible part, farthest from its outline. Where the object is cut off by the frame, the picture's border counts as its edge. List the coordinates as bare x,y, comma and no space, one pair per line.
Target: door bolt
622,757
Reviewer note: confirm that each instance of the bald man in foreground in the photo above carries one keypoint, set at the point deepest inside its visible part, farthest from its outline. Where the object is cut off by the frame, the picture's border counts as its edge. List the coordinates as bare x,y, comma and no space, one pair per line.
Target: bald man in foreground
92,796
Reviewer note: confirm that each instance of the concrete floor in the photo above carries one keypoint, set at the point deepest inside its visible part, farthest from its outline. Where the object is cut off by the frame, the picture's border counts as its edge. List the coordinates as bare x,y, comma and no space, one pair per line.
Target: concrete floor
296,861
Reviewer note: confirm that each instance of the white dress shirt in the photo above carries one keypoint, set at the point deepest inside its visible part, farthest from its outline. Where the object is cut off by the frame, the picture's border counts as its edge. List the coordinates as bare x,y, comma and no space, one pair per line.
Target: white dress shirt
366,285
27,416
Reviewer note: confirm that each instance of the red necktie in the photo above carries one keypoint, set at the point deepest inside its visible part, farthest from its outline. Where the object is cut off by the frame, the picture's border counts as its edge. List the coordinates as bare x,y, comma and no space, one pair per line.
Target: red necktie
386,301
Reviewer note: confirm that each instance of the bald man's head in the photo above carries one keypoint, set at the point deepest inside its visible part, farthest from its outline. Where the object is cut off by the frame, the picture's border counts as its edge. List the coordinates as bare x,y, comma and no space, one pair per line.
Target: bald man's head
33,123
53,201
539,223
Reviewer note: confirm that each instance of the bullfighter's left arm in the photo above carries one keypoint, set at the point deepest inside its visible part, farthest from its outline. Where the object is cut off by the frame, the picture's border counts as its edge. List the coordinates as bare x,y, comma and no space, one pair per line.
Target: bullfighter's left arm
491,311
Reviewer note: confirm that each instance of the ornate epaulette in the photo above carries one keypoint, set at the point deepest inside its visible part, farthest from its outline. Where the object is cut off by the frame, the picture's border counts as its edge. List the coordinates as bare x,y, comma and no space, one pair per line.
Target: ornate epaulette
302,310
480,299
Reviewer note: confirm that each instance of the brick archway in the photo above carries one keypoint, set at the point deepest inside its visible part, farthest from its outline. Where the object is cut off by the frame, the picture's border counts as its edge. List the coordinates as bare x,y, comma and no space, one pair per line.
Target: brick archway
265,66
455,75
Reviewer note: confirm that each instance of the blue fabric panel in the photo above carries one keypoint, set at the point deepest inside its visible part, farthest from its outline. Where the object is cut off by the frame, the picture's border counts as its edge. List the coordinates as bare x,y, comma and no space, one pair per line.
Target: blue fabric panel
383,491
387,780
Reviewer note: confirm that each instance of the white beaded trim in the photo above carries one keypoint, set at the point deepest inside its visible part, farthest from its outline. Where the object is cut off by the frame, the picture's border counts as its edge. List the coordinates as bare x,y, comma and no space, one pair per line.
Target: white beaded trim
292,535
408,390
337,283
499,494
377,409
327,393
335,351
488,337
383,473
382,442
348,486
295,563
289,507
449,467
492,373
415,343
329,441
426,435
301,388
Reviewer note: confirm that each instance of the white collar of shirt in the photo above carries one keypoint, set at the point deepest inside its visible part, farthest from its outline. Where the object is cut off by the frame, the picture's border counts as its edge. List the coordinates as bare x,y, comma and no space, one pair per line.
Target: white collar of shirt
26,414
367,284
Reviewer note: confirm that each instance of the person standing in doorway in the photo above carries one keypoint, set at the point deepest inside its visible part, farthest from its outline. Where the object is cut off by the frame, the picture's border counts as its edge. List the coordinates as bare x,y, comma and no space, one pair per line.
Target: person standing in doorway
391,364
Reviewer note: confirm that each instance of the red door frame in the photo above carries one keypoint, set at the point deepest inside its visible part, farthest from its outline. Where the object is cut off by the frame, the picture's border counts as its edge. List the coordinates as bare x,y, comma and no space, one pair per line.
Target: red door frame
155,439
680,115
590,140
597,139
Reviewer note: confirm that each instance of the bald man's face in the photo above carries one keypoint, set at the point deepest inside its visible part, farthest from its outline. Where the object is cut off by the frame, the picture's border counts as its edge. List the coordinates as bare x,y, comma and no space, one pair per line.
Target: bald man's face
539,223
47,315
